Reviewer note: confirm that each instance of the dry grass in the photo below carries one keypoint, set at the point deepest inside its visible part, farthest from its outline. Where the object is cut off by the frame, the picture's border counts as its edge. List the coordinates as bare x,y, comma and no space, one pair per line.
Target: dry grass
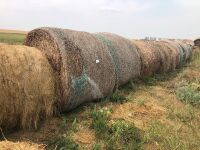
13,31
7,145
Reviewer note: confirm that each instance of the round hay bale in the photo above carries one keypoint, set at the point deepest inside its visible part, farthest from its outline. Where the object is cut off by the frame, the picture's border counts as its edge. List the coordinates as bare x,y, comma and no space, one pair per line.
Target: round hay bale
27,87
8,145
82,62
150,57
127,57
173,54
178,51
187,50
197,42
164,55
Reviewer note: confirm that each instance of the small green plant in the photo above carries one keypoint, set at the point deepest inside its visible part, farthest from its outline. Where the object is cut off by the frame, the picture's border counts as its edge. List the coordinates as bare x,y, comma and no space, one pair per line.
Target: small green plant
63,122
189,95
99,121
96,146
141,102
187,115
149,80
117,98
64,143
123,135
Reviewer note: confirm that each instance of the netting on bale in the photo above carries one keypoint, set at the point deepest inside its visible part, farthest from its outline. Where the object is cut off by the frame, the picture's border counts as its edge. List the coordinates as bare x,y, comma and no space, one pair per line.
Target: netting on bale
89,66
127,62
27,90
179,52
171,55
8,145
187,50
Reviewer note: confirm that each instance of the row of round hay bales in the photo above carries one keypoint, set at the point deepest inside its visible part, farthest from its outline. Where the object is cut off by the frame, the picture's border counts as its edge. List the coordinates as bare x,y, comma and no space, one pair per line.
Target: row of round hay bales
27,87
89,66
68,68
162,56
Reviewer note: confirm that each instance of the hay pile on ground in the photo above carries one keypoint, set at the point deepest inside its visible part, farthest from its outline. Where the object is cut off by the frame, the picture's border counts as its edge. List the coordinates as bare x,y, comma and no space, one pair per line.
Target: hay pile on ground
27,87
89,66
8,145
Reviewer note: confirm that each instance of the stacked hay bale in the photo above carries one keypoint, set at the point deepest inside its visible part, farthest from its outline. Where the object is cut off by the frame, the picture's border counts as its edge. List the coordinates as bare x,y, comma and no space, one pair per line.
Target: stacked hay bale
89,66
162,56
27,88
177,54
197,42
8,145
151,58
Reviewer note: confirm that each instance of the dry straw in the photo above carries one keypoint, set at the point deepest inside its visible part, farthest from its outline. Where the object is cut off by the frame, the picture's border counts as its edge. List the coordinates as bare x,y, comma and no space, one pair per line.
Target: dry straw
27,91
8,145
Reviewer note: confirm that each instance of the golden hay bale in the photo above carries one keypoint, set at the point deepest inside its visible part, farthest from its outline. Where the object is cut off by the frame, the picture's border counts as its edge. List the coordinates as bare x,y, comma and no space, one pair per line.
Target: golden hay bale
27,88
8,145
150,57
88,64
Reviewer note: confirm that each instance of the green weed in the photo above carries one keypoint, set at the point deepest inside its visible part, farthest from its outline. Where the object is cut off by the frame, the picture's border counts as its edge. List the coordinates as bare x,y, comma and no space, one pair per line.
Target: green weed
189,94
123,135
64,143
117,98
99,121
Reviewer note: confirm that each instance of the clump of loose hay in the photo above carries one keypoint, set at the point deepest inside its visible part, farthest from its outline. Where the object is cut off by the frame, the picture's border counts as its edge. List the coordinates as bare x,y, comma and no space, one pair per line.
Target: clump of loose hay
27,87
89,66
8,145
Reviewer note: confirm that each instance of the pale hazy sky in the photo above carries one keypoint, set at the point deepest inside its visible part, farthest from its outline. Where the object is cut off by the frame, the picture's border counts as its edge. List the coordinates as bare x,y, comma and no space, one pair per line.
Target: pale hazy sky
129,18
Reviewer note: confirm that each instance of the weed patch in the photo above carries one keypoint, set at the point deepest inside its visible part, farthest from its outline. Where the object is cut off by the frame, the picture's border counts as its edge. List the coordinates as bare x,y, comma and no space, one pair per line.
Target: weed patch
118,98
189,94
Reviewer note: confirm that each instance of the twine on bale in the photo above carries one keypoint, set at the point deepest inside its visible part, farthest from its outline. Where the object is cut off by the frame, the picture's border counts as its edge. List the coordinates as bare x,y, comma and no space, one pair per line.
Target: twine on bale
27,87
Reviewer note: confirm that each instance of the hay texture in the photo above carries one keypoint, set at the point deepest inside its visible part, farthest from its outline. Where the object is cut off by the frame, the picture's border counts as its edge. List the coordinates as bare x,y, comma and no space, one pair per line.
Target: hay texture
89,66
150,57
27,88
127,59
187,50
8,145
